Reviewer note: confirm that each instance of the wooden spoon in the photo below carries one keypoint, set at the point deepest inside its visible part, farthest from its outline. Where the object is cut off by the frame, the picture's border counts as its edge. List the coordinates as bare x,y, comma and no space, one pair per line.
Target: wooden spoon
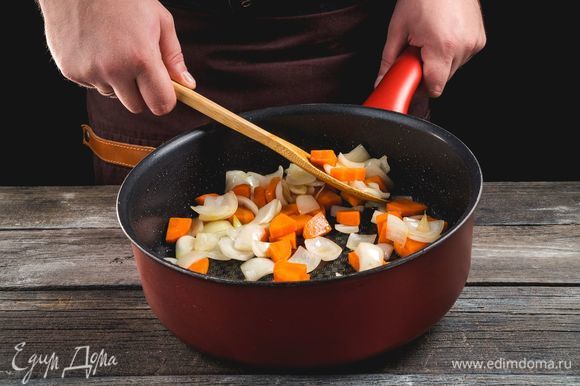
286,149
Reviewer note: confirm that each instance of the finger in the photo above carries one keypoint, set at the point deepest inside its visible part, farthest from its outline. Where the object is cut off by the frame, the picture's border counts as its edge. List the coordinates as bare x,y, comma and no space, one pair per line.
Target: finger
396,41
128,93
172,55
105,90
436,70
156,88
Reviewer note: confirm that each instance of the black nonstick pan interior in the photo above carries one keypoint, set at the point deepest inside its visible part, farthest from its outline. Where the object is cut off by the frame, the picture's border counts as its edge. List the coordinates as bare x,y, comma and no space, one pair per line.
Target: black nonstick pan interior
426,162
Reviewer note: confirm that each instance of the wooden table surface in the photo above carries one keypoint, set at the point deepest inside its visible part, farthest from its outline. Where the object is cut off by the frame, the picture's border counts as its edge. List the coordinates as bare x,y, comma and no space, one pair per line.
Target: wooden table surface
68,283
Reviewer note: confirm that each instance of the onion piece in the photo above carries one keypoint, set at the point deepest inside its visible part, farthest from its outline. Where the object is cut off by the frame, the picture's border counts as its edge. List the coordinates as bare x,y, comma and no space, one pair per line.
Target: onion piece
373,168
346,228
260,248
311,190
217,208
354,239
317,183
348,163
295,175
287,193
387,249
370,256
238,177
360,185
327,249
376,214
196,227
338,208
246,202
327,168
306,204
298,189
257,268
278,173
280,194
397,230
184,245
434,232
189,258
358,154
227,247
220,228
205,241
235,222
303,256
170,260
268,212
248,233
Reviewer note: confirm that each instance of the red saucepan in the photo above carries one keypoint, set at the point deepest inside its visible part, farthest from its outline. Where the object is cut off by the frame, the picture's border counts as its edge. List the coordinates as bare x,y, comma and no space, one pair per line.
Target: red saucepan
331,319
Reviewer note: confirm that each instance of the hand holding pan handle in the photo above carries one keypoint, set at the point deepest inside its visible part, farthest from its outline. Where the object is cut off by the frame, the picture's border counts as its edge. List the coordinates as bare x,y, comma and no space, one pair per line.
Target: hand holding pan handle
397,87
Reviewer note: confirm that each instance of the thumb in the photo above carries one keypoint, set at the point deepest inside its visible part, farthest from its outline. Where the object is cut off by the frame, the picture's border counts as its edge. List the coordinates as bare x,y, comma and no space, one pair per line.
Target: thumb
172,55
396,41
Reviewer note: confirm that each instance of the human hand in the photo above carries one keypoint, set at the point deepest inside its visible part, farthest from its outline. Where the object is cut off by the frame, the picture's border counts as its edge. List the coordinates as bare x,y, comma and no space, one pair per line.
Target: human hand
124,48
448,32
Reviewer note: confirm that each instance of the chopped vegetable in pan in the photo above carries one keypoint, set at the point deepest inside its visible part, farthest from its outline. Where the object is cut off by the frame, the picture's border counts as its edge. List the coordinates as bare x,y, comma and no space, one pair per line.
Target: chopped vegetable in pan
278,224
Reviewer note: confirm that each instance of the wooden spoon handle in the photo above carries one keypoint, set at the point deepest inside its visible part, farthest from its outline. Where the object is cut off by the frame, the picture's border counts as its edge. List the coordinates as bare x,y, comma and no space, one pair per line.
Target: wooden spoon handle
233,121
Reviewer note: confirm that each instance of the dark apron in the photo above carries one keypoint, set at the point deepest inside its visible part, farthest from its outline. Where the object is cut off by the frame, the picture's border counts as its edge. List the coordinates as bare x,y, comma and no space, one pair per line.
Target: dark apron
251,62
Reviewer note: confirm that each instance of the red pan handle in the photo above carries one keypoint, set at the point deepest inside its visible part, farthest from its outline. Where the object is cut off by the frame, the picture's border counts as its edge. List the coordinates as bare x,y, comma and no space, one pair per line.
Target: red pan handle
397,87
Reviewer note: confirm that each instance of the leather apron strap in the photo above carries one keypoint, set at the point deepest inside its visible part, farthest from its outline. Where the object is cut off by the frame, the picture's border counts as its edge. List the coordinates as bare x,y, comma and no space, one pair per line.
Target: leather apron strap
117,153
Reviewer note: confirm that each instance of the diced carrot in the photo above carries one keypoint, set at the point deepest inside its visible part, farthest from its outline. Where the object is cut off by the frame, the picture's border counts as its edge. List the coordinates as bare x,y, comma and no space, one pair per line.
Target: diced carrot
271,189
201,199
410,247
177,227
377,180
382,218
354,260
328,198
285,271
316,211
382,230
352,200
200,266
290,237
301,220
281,225
259,196
243,190
290,209
316,226
266,235
348,217
321,157
348,174
279,250
406,207
244,215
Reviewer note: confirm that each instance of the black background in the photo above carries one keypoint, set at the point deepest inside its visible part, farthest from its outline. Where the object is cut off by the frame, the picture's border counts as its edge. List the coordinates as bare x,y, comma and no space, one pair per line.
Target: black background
507,104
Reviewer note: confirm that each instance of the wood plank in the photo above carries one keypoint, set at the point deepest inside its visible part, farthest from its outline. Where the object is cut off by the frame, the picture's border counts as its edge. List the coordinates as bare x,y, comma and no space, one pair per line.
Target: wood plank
349,380
58,207
487,323
503,203
102,257
529,203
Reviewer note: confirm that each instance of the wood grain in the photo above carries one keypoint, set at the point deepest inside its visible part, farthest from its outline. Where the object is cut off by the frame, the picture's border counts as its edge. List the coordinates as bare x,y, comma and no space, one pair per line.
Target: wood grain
502,203
529,203
487,323
314,380
102,257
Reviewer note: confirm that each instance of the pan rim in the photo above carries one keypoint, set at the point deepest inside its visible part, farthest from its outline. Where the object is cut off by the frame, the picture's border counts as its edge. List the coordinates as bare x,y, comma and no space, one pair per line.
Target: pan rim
305,108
